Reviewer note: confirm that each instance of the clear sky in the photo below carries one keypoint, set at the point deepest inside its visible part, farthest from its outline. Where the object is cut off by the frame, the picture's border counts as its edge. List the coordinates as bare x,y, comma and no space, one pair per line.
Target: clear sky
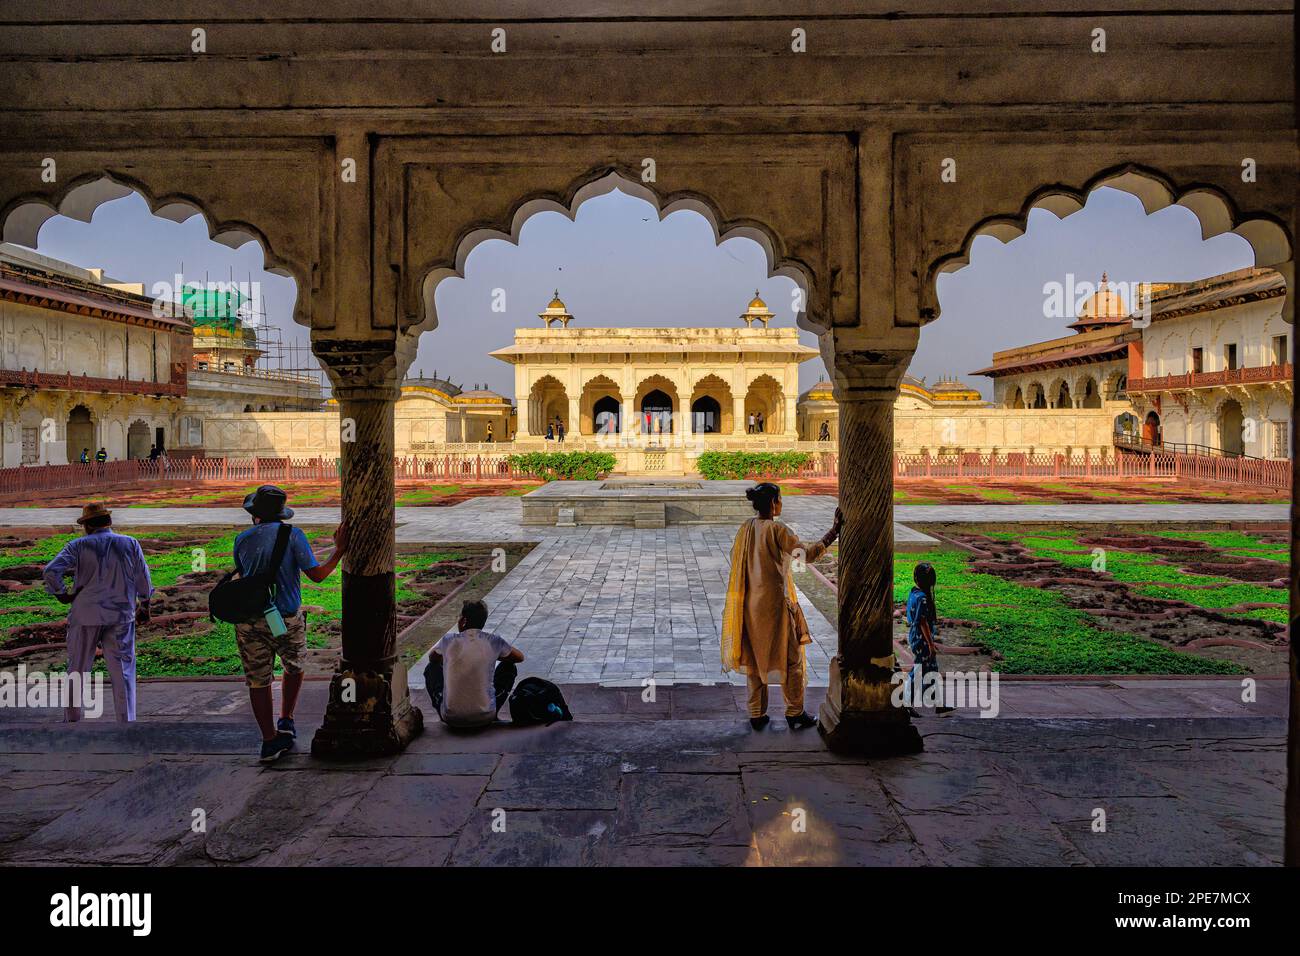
617,264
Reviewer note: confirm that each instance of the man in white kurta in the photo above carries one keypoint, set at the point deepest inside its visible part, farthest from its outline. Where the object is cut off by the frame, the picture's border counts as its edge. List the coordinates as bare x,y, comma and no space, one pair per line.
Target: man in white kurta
110,575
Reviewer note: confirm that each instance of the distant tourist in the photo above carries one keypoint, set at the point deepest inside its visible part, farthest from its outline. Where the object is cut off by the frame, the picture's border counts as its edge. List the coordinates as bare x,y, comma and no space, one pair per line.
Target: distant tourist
111,590
759,422
85,456
550,432
471,671
922,618
763,627
489,433
825,433
751,423
559,430
283,630
101,456
154,452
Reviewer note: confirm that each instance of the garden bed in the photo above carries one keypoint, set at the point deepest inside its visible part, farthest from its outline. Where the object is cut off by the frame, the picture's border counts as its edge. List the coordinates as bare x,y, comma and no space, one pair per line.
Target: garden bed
1062,600
181,641
302,494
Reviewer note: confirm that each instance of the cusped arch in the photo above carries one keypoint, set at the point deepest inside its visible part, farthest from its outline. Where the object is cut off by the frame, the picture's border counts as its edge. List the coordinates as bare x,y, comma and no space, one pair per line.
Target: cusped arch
601,382
599,182
710,380
1213,208
22,218
79,199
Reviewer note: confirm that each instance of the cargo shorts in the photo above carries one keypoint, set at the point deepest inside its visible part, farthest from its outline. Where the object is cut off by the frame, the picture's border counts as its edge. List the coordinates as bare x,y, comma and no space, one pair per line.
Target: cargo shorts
258,648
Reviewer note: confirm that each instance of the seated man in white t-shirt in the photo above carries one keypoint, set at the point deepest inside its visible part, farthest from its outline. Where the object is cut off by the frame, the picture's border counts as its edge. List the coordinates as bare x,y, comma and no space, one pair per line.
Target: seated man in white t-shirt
470,671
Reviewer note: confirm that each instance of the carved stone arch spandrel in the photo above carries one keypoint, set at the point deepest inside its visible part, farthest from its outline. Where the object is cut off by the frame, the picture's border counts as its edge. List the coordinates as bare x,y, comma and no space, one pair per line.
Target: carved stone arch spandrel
794,195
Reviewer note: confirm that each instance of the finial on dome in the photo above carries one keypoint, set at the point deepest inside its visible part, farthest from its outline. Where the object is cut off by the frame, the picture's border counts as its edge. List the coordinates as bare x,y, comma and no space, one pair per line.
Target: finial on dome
557,311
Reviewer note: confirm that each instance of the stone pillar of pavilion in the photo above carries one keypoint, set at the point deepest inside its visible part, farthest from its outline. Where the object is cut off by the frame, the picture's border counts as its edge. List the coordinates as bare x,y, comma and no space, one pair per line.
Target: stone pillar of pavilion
858,715
737,414
573,427
369,711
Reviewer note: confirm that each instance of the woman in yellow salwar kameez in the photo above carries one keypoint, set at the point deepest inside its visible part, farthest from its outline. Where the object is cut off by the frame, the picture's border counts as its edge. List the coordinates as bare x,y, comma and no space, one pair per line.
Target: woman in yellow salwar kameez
763,628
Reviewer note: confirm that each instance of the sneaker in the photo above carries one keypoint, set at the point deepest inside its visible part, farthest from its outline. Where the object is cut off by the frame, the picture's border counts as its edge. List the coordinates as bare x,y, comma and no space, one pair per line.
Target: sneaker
913,713
285,726
758,723
273,750
801,721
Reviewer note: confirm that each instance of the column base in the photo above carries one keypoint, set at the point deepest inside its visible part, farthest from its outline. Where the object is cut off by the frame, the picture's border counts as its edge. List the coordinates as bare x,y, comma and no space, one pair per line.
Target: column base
858,718
369,714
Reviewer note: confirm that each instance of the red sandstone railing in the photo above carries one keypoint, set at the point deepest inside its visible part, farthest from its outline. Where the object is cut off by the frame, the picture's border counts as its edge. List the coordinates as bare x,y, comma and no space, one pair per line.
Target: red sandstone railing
33,480
66,381
1236,376
1168,465
30,480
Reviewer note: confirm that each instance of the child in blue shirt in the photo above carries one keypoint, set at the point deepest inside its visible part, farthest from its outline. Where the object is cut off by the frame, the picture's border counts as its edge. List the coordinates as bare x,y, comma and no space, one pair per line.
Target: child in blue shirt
921,621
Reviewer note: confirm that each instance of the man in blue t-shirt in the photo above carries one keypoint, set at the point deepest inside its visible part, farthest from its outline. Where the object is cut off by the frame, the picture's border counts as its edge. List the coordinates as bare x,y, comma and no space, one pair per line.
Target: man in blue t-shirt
259,644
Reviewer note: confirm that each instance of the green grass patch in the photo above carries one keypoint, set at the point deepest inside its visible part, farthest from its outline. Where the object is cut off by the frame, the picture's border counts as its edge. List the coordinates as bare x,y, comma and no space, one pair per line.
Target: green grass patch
1036,631
213,652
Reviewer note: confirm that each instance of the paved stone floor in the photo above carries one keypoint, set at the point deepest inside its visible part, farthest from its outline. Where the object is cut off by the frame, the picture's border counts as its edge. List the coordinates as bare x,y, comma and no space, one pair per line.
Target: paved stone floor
678,780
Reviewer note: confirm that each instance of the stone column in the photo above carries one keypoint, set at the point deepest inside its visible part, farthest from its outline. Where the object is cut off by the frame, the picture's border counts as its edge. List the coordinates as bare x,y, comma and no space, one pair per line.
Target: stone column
788,422
737,414
369,711
573,427
858,716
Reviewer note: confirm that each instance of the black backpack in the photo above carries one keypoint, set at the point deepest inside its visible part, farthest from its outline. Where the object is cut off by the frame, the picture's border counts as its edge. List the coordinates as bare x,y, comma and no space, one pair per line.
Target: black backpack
240,600
537,701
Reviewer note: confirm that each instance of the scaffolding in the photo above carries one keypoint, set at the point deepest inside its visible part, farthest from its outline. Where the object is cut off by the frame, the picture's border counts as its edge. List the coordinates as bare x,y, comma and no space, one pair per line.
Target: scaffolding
289,364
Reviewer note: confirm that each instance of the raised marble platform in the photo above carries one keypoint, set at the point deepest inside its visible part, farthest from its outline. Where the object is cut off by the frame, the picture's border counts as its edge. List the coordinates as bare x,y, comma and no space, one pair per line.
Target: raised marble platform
637,503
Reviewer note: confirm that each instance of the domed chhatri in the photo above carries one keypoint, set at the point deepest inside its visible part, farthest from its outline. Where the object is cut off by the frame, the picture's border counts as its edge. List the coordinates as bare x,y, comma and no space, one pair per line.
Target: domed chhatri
757,312
1104,307
557,311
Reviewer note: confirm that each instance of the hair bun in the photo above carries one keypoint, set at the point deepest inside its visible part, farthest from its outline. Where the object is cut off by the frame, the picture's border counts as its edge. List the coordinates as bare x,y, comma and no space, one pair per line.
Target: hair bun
749,493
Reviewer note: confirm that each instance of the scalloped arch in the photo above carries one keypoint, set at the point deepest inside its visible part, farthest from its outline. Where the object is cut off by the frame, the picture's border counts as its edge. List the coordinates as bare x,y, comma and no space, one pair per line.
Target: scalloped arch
78,199
712,379
596,183
757,379
1213,208
601,380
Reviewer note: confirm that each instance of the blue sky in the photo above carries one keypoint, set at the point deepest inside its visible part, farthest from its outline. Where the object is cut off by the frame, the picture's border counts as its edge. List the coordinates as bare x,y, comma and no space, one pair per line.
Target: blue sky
617,264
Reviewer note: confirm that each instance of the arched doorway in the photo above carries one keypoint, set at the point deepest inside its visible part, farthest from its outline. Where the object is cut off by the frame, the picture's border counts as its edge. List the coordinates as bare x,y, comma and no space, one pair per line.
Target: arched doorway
1126,425
657,413
547,402
1039,397
81,434
1151,429
1231,428
1091,395
1063,399
1018,398
706,415
137,440
765,402
605,416
712,397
